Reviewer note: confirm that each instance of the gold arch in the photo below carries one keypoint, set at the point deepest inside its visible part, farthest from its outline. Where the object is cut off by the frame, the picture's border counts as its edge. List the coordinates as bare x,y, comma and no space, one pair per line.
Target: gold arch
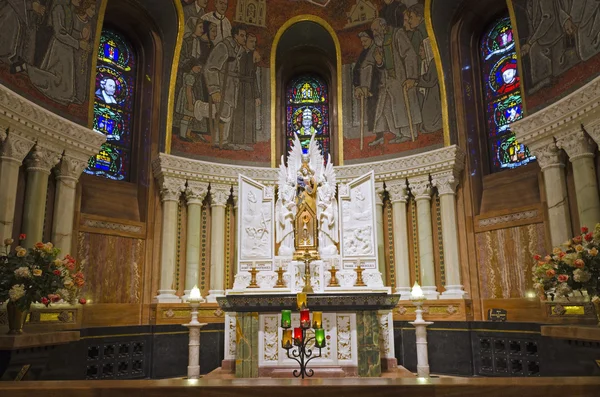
338,57
171,101
94,63
440,72
513,22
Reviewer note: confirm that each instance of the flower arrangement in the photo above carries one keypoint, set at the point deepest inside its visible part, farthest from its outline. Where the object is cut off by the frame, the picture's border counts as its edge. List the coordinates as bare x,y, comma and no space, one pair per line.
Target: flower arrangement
574,267
38,275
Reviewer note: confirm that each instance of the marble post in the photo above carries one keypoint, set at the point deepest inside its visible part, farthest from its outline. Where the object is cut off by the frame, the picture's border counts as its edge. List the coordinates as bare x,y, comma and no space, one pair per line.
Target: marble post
67,175
194,194
399,197
39,164
579,148
421,190
170,190
421,340
235,194
446,185
12,152
219,195
193,369
379,195
550,161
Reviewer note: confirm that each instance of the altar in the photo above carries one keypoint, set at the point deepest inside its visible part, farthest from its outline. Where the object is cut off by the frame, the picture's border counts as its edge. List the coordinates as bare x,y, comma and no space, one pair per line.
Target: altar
315,236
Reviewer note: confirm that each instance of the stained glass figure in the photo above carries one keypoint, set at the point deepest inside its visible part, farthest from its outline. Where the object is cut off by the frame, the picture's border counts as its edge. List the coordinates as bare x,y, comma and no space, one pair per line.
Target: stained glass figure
307,112
502,92
113,106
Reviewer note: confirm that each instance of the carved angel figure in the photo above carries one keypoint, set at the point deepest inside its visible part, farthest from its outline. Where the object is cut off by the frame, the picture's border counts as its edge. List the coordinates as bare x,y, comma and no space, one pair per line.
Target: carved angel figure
327,213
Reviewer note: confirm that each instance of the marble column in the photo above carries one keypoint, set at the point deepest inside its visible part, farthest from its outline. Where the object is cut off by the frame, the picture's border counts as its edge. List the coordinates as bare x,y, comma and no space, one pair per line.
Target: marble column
12,152
580,150
194,195
39,165
235,194
550,161
446,183
421,190
170,191
379,195
397,190
67,175
219,195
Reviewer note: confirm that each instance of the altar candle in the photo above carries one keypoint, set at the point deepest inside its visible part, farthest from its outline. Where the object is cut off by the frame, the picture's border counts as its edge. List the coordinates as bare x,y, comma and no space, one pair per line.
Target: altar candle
286,341
286,318
298,338
317,320
305,318
301,300
320,337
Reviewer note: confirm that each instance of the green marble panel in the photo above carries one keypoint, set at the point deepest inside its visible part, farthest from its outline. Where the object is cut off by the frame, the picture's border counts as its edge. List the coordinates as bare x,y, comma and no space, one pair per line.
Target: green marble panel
246,360
369,356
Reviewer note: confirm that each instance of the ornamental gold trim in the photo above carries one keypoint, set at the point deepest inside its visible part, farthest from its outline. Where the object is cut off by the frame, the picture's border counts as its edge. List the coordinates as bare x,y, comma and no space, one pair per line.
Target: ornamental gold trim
176,54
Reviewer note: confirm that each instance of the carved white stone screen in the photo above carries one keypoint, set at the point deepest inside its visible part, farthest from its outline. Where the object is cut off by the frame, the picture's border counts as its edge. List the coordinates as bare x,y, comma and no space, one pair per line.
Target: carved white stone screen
357,215
255,225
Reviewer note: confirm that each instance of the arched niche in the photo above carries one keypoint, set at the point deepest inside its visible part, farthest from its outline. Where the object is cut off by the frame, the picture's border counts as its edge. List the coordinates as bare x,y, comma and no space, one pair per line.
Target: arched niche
305,44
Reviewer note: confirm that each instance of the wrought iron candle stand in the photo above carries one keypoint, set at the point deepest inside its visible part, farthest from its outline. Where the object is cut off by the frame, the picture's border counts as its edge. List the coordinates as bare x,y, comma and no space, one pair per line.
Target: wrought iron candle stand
302,354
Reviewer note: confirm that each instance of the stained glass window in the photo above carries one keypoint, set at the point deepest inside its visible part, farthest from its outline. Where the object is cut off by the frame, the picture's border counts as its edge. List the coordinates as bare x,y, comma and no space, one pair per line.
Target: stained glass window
502,93
307,112
113,106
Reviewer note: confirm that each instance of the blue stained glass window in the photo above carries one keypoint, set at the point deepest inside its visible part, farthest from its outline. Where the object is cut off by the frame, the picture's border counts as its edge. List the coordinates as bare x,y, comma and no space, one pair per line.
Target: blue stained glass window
113,106
307,112
502,93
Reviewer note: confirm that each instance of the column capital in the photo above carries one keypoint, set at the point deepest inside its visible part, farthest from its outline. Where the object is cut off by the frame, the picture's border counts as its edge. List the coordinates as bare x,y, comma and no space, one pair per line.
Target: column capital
380,191
70,169
548,155
170,188
420,187
398,190
594,131
15,148
576,143
235,193
445,182
195,192
42,159
219,194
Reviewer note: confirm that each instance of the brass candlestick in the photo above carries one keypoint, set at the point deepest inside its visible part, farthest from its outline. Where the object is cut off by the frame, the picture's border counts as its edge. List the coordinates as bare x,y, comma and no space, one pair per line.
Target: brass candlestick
253,283
333,281
359,280
280,283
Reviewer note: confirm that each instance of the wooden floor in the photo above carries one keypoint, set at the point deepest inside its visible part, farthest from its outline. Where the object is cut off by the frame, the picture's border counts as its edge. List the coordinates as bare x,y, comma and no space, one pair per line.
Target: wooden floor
416,387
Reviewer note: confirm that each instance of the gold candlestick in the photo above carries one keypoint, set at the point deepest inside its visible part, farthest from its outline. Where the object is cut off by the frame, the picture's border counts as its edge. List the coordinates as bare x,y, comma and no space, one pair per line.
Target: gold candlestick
280,283
359,280
307,285
333,281
253,283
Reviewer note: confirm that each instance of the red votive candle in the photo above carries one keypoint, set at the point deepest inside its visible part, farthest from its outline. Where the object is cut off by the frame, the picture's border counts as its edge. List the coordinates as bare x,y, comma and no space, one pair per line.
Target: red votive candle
305,318
298,338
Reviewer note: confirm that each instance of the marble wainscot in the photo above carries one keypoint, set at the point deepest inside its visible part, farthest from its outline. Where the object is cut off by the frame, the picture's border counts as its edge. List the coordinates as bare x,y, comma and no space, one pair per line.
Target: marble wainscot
358,327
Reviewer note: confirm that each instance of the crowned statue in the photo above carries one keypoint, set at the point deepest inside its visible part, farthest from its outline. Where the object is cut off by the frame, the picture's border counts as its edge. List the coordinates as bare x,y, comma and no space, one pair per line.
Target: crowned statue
306,210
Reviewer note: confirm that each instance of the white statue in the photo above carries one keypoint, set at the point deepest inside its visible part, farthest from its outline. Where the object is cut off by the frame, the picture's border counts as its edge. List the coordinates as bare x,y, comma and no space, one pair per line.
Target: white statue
256,226
289,184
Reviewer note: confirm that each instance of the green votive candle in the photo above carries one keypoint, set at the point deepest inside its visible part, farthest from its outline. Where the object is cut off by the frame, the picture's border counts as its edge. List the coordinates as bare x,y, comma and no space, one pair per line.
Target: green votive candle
286,318
320,337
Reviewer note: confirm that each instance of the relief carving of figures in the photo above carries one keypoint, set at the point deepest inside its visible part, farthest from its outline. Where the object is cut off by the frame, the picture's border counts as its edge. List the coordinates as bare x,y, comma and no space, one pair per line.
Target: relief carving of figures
256,227
358,220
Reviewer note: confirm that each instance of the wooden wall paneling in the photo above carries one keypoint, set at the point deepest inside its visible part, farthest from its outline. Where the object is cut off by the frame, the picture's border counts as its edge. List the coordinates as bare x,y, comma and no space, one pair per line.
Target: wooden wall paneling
509,217
111,314
575,225
511,188
49,210
19,204
517,309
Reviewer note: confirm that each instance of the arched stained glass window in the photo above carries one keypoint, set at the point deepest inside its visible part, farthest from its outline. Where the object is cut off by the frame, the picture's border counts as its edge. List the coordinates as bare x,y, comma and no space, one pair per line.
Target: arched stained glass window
113,106
307,112
502,95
